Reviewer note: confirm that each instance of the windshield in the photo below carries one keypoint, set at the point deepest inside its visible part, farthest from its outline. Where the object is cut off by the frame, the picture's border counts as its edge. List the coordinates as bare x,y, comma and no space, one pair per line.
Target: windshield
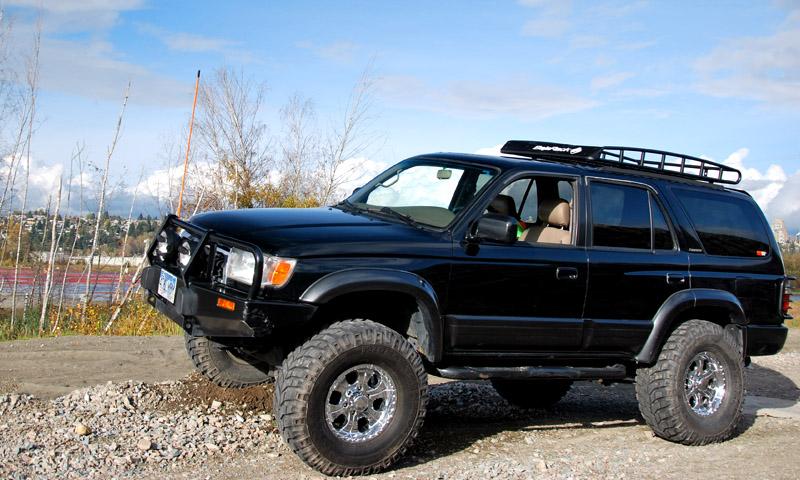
429,192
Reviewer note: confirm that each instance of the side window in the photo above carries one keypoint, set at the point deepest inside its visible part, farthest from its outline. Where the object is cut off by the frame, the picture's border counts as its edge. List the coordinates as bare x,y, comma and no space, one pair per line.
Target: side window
523,191
620,216
662,238
727,225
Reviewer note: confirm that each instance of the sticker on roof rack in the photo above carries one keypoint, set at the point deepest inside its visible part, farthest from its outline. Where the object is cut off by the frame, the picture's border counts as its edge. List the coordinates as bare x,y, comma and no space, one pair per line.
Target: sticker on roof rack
553,148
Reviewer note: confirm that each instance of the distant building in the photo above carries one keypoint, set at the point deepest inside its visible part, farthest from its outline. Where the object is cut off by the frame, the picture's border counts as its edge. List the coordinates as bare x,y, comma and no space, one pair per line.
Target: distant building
780,231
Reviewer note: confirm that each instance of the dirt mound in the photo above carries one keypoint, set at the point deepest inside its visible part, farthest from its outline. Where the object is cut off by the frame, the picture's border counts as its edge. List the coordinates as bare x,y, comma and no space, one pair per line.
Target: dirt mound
195,390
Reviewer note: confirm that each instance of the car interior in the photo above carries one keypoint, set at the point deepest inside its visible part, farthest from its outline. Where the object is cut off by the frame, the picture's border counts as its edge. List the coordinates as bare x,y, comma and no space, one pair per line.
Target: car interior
543,205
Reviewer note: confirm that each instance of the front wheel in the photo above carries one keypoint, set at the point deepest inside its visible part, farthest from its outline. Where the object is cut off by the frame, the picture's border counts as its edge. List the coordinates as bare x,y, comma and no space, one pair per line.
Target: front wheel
693,394
227,366
352,399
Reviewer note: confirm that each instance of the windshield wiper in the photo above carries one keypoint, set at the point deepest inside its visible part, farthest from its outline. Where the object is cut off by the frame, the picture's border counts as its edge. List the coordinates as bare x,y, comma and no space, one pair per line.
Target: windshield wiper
399,215
346,206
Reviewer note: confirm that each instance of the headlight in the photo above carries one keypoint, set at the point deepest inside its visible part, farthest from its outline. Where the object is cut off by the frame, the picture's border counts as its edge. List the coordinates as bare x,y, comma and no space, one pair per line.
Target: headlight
241,266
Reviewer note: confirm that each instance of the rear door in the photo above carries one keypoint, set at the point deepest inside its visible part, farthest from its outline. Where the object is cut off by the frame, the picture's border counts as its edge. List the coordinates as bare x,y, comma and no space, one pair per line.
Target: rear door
634,264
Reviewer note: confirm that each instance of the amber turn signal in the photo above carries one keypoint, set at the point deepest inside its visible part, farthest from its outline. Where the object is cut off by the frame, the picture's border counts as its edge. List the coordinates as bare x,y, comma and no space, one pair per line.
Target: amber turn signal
226,304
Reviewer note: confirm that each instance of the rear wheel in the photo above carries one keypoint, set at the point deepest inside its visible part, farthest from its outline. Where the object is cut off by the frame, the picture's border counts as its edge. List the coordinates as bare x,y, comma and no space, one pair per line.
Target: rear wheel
694,392
352,399
227,366
532,393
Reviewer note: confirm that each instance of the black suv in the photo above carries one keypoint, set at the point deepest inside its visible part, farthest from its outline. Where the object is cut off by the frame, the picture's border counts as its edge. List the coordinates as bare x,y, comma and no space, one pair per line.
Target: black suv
558,264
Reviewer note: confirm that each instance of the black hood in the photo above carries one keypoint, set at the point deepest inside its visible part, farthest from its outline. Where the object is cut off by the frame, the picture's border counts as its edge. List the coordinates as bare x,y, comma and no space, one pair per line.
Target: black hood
297,232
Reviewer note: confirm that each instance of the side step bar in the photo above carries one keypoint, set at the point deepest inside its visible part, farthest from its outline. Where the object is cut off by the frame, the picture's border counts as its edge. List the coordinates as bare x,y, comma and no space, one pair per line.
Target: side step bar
613,372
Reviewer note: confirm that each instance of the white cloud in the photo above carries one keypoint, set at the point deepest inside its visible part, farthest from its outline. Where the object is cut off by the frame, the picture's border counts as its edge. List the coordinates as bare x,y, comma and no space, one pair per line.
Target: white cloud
338,52
763,68
552,19
491,151
87,65
78,15
611,80
92,69
188,42
508,97
193,43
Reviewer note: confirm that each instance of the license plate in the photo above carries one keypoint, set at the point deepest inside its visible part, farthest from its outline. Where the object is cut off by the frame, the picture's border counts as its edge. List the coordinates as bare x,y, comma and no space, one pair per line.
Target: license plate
167,283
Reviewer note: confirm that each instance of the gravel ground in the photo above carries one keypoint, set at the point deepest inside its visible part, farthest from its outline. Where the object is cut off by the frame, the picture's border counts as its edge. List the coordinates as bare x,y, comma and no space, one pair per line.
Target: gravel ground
190,429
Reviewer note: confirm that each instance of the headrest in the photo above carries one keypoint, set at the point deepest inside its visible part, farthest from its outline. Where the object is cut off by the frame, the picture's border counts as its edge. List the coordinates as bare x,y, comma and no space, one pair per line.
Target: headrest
555,213
503,205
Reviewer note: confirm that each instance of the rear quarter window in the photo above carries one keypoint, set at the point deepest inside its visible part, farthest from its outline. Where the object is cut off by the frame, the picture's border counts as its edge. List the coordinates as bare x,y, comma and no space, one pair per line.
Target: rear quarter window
726,224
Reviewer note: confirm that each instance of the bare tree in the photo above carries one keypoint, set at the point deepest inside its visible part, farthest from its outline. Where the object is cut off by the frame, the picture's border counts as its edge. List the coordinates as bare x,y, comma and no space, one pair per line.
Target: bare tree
349,138
76,156
51,261
101,204
32,84
299,147
230,127
122,266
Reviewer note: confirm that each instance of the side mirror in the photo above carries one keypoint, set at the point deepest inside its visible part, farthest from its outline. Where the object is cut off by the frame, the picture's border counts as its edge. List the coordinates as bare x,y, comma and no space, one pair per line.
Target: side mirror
497,228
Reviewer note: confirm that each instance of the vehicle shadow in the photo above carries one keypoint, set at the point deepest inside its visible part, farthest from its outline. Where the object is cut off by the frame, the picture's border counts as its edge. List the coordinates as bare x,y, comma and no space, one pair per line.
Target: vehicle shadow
461,413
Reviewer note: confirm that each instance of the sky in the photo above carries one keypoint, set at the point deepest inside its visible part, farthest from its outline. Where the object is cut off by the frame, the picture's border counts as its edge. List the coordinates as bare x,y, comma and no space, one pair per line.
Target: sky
713,79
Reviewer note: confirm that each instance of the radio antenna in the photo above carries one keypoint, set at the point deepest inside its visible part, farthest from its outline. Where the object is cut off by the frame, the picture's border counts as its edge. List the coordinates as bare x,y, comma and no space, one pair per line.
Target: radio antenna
188,145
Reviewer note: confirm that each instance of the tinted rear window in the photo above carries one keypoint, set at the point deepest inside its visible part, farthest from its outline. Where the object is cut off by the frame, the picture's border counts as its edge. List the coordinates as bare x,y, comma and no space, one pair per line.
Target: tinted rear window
727,225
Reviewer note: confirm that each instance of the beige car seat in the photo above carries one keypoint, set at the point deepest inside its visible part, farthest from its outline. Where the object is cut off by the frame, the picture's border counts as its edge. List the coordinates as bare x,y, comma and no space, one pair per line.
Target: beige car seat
554,216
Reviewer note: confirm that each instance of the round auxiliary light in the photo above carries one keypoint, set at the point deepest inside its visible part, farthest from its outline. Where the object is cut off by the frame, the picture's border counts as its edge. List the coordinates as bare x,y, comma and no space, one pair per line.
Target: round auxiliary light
184,253
165,245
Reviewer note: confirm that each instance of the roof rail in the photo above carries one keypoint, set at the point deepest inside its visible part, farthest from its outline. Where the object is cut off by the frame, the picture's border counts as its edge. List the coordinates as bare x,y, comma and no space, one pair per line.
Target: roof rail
644,159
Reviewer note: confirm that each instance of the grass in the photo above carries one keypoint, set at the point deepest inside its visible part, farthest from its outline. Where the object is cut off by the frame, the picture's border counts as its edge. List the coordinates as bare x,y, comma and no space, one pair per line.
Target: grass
136,318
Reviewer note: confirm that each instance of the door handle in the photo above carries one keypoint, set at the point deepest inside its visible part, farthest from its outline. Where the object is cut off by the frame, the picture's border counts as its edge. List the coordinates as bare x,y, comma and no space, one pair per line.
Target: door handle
566,273
676,278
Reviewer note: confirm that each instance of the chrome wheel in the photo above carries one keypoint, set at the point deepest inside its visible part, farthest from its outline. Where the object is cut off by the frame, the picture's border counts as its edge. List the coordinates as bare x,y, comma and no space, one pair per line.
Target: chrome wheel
705,385
360,403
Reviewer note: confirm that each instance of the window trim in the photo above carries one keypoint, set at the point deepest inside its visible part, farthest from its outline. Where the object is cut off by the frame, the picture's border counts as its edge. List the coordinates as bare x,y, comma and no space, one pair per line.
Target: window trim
651,193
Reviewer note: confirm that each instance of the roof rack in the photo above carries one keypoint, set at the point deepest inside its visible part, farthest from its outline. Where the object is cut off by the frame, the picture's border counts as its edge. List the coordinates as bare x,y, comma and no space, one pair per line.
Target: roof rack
645,159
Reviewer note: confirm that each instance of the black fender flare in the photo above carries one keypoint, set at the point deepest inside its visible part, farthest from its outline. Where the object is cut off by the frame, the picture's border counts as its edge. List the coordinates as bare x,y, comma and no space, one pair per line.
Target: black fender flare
428,327
680,302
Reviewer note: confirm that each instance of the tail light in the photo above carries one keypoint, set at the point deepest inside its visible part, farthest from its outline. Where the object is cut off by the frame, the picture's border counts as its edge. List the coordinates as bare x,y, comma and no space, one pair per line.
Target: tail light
786,305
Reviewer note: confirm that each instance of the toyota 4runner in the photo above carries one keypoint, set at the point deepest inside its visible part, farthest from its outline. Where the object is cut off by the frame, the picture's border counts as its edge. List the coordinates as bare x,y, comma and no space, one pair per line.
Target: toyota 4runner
552,264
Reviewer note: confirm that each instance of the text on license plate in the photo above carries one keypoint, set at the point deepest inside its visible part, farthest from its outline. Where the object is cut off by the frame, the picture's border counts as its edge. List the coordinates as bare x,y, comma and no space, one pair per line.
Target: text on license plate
167,283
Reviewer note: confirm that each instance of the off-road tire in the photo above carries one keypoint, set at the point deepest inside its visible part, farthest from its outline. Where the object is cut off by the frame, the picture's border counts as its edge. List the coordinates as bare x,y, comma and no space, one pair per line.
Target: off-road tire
532,393
660,389
302,387
223,367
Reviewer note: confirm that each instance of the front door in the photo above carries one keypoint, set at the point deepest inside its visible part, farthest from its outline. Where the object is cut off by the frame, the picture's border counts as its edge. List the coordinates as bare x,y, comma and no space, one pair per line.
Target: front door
527,296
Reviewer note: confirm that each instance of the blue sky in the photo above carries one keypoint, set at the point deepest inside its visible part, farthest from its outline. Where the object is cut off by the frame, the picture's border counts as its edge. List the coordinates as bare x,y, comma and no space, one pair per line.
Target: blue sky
705,78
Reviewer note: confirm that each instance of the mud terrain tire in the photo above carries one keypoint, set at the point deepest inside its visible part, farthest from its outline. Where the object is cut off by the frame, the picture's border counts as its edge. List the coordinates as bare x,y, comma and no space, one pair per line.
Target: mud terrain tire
308,395
226,367
699,356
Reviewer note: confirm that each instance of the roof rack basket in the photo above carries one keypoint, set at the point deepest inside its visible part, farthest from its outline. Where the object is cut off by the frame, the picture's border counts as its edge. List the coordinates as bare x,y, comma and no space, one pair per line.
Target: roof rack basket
644,159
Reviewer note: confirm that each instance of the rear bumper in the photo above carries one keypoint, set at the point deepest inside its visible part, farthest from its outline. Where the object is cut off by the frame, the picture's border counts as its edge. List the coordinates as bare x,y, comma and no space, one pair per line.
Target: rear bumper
196,311
765,339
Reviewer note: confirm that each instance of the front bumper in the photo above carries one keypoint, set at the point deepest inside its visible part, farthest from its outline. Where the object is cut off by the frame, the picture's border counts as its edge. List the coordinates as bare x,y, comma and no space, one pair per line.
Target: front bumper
196,311
765,339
